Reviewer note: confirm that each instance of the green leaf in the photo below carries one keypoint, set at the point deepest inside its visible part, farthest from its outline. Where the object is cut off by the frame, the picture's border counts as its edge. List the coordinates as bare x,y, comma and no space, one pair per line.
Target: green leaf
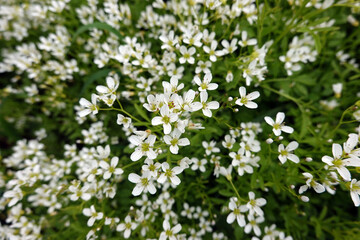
98,25
92,77
141,112
305,122
226,193
317,42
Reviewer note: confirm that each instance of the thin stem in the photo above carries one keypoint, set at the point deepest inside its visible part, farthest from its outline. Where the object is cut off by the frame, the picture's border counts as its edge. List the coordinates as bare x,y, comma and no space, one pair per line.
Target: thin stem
129,165
237,193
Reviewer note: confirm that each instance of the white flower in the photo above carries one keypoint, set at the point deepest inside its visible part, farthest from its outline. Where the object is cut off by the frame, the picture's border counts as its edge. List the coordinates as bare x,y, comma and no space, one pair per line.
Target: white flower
90,107
193,39
188,211
143,147
121,119
245,41
165,119
228,142
169,232
111,169
91,212
285,152
198,164
236,213
151,167
205,106
206,83
278,125
170,174
210,147
15,194
253,224
203,67
254,204
79,193
226,172
310,182
212,51
126,227
169,41
247,99
153,103
229,47
173,86
142,183
355,191
187,55
337,88
110,89
174,141
340,164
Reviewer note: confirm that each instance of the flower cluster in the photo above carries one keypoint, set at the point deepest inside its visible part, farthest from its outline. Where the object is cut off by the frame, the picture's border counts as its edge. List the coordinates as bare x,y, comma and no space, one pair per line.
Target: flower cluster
204,119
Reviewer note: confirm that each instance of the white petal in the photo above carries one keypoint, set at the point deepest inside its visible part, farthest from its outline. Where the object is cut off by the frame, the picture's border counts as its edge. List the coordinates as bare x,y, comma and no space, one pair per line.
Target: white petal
134,178
107,175
136,155
292,146
344,173
287,129
156,121
137,190
242,91
251,105
104,165
151,188
84,112
183,142
175,180
167,128
176,229
328,160
293,158
337,150
355,197
230,218
213,105
280,116
253,95
269,121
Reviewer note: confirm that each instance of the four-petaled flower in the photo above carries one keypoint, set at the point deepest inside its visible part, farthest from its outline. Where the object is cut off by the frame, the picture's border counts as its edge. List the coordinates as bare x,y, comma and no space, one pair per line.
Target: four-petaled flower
111,168
170,174
91,212
143,147
175,141
285,153
247,99
165,119
278,125
90,107
142,183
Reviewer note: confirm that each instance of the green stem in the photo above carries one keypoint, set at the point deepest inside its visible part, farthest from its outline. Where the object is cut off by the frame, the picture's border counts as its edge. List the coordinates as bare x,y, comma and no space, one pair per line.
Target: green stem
237,193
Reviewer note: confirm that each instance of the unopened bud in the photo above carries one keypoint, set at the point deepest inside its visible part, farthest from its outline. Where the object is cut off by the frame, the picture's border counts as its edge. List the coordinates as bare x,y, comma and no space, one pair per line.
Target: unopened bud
304,198
269,141
230,99
308,159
